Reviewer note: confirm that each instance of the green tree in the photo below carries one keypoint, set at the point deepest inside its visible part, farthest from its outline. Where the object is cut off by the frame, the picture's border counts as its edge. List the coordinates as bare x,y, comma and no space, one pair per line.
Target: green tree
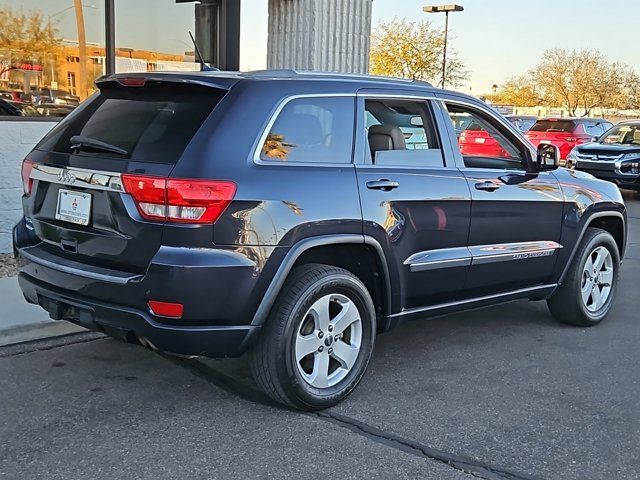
519,91
26,37
405,49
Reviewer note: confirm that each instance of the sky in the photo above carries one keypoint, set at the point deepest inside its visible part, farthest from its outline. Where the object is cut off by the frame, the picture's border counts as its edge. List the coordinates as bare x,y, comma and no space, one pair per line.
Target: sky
495,38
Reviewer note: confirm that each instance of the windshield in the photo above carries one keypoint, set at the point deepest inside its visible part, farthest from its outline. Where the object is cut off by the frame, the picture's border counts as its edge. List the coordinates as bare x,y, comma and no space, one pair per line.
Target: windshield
622,134
567,126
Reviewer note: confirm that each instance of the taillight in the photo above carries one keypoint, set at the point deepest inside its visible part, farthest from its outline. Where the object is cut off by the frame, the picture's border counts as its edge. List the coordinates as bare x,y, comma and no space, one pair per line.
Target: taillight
27,181
179,200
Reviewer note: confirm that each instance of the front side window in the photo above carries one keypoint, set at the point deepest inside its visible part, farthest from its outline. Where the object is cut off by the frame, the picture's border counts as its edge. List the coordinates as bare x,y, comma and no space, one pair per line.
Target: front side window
401,133
483,142
312,130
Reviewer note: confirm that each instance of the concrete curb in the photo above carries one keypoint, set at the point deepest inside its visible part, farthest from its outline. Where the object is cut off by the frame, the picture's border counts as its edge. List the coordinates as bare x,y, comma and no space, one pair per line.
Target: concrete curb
22,322
37,331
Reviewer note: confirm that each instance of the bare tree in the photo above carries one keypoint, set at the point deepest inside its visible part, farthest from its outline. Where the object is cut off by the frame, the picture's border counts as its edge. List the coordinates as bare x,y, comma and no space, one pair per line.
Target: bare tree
401,48
581,80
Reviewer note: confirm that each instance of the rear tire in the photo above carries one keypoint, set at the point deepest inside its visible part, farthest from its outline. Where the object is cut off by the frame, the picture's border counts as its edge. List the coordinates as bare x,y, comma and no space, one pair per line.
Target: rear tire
318,339
588,289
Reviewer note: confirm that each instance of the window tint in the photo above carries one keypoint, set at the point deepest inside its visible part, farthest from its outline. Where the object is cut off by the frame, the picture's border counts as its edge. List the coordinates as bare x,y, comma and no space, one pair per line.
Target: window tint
483,142
153,123
623,134
402,133
553,125
312,130
594,129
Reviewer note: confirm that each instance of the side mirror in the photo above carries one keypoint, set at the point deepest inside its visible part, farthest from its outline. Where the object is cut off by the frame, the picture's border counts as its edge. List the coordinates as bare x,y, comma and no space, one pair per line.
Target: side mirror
594,139
548,157
417,121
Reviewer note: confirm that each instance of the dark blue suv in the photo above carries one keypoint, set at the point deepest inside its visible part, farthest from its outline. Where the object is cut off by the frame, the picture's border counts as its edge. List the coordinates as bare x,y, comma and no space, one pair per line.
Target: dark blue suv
296,215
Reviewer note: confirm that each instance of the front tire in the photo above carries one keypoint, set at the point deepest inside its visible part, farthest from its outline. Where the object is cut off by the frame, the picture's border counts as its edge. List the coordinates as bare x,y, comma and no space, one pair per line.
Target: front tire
318,339
586,294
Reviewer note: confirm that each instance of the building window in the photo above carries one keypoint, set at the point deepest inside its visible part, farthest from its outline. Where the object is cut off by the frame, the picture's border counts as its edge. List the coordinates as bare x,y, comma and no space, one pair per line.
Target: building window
71,82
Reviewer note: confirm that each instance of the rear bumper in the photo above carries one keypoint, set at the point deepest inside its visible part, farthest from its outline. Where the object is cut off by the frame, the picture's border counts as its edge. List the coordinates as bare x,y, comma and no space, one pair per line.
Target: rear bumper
134,325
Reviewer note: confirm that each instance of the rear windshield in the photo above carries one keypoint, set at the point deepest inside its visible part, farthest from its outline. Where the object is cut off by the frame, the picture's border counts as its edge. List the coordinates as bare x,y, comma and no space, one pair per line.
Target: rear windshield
153,123
554,126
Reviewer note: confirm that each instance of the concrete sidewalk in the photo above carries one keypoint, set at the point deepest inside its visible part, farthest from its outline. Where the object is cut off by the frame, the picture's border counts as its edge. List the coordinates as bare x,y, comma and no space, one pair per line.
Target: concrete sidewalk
22,322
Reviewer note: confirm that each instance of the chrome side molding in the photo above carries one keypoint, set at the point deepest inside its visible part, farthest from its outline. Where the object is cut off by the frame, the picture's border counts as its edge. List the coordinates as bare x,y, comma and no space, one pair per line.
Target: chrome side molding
442,258
504,252
480,254
78,177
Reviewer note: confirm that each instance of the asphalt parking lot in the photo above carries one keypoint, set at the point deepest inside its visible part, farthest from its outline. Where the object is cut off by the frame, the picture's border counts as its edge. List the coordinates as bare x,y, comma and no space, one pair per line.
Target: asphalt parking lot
500,393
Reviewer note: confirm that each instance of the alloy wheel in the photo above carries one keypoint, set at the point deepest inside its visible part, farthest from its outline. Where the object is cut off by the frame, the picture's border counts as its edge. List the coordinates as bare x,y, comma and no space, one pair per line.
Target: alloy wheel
328,341
597,279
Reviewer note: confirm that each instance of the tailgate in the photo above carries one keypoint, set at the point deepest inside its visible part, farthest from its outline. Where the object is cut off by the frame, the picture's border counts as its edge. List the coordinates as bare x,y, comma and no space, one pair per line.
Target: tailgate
77,206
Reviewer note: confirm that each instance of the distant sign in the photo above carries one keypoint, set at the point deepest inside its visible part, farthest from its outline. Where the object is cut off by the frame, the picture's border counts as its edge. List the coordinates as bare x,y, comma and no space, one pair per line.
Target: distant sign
504,109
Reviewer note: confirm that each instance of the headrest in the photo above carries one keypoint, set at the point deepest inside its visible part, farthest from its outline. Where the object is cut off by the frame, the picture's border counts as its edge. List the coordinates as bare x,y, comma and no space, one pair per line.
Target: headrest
385,137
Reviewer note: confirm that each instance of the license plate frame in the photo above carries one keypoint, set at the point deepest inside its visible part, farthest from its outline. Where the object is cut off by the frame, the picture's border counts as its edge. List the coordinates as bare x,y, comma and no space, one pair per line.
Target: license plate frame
74,207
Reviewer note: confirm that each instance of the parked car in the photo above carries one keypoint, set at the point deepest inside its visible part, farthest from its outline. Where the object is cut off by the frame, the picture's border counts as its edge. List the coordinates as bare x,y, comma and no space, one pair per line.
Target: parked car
217,213
522,122
54,109
566,133
7,108
15,95
60,97
477,141
17,109
615,156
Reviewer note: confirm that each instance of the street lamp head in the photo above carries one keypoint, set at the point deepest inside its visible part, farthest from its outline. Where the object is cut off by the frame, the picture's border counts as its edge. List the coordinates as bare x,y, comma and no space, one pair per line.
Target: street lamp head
443,8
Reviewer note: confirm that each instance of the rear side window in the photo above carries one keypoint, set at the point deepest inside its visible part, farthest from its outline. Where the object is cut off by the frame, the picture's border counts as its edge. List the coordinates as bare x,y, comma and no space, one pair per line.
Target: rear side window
312,130
401,133
153,123
567,126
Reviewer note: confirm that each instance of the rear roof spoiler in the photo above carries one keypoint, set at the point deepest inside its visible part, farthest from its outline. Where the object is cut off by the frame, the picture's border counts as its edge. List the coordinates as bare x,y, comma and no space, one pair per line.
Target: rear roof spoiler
223,80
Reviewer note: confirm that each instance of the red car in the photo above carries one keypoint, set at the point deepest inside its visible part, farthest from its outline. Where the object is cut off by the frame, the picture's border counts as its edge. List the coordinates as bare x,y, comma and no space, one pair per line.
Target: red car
477,142
566,133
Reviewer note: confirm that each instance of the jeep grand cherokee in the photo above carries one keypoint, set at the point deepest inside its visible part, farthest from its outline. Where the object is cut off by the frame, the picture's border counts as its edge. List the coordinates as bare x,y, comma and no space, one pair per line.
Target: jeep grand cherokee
291,216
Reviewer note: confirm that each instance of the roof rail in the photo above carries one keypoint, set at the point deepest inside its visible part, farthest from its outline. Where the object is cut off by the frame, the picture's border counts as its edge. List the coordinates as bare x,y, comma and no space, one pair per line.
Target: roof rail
289,73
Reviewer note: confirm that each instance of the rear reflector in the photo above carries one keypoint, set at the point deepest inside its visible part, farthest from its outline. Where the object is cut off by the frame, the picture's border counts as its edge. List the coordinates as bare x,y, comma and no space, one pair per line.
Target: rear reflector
179,200
27,181
166,309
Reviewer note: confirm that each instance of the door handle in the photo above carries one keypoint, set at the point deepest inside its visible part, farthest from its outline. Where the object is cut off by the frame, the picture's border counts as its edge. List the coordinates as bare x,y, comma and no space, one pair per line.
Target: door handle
487,186
382,184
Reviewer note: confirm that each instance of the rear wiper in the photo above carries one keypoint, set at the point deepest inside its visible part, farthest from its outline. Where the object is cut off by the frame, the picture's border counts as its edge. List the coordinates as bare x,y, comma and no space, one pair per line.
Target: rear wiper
79,141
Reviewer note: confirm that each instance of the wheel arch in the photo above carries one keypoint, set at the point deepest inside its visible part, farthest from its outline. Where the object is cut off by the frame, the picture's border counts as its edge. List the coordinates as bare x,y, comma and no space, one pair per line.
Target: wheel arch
613,222
350,252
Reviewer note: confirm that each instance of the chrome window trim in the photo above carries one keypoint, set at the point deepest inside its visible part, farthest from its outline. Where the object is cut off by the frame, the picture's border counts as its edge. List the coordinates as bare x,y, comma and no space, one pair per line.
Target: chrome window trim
425,98
495,115
480,254
272,119
78,177
396,95
283,103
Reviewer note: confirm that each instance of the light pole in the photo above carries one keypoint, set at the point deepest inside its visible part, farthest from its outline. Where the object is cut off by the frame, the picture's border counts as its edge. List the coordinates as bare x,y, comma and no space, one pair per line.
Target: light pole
446,9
